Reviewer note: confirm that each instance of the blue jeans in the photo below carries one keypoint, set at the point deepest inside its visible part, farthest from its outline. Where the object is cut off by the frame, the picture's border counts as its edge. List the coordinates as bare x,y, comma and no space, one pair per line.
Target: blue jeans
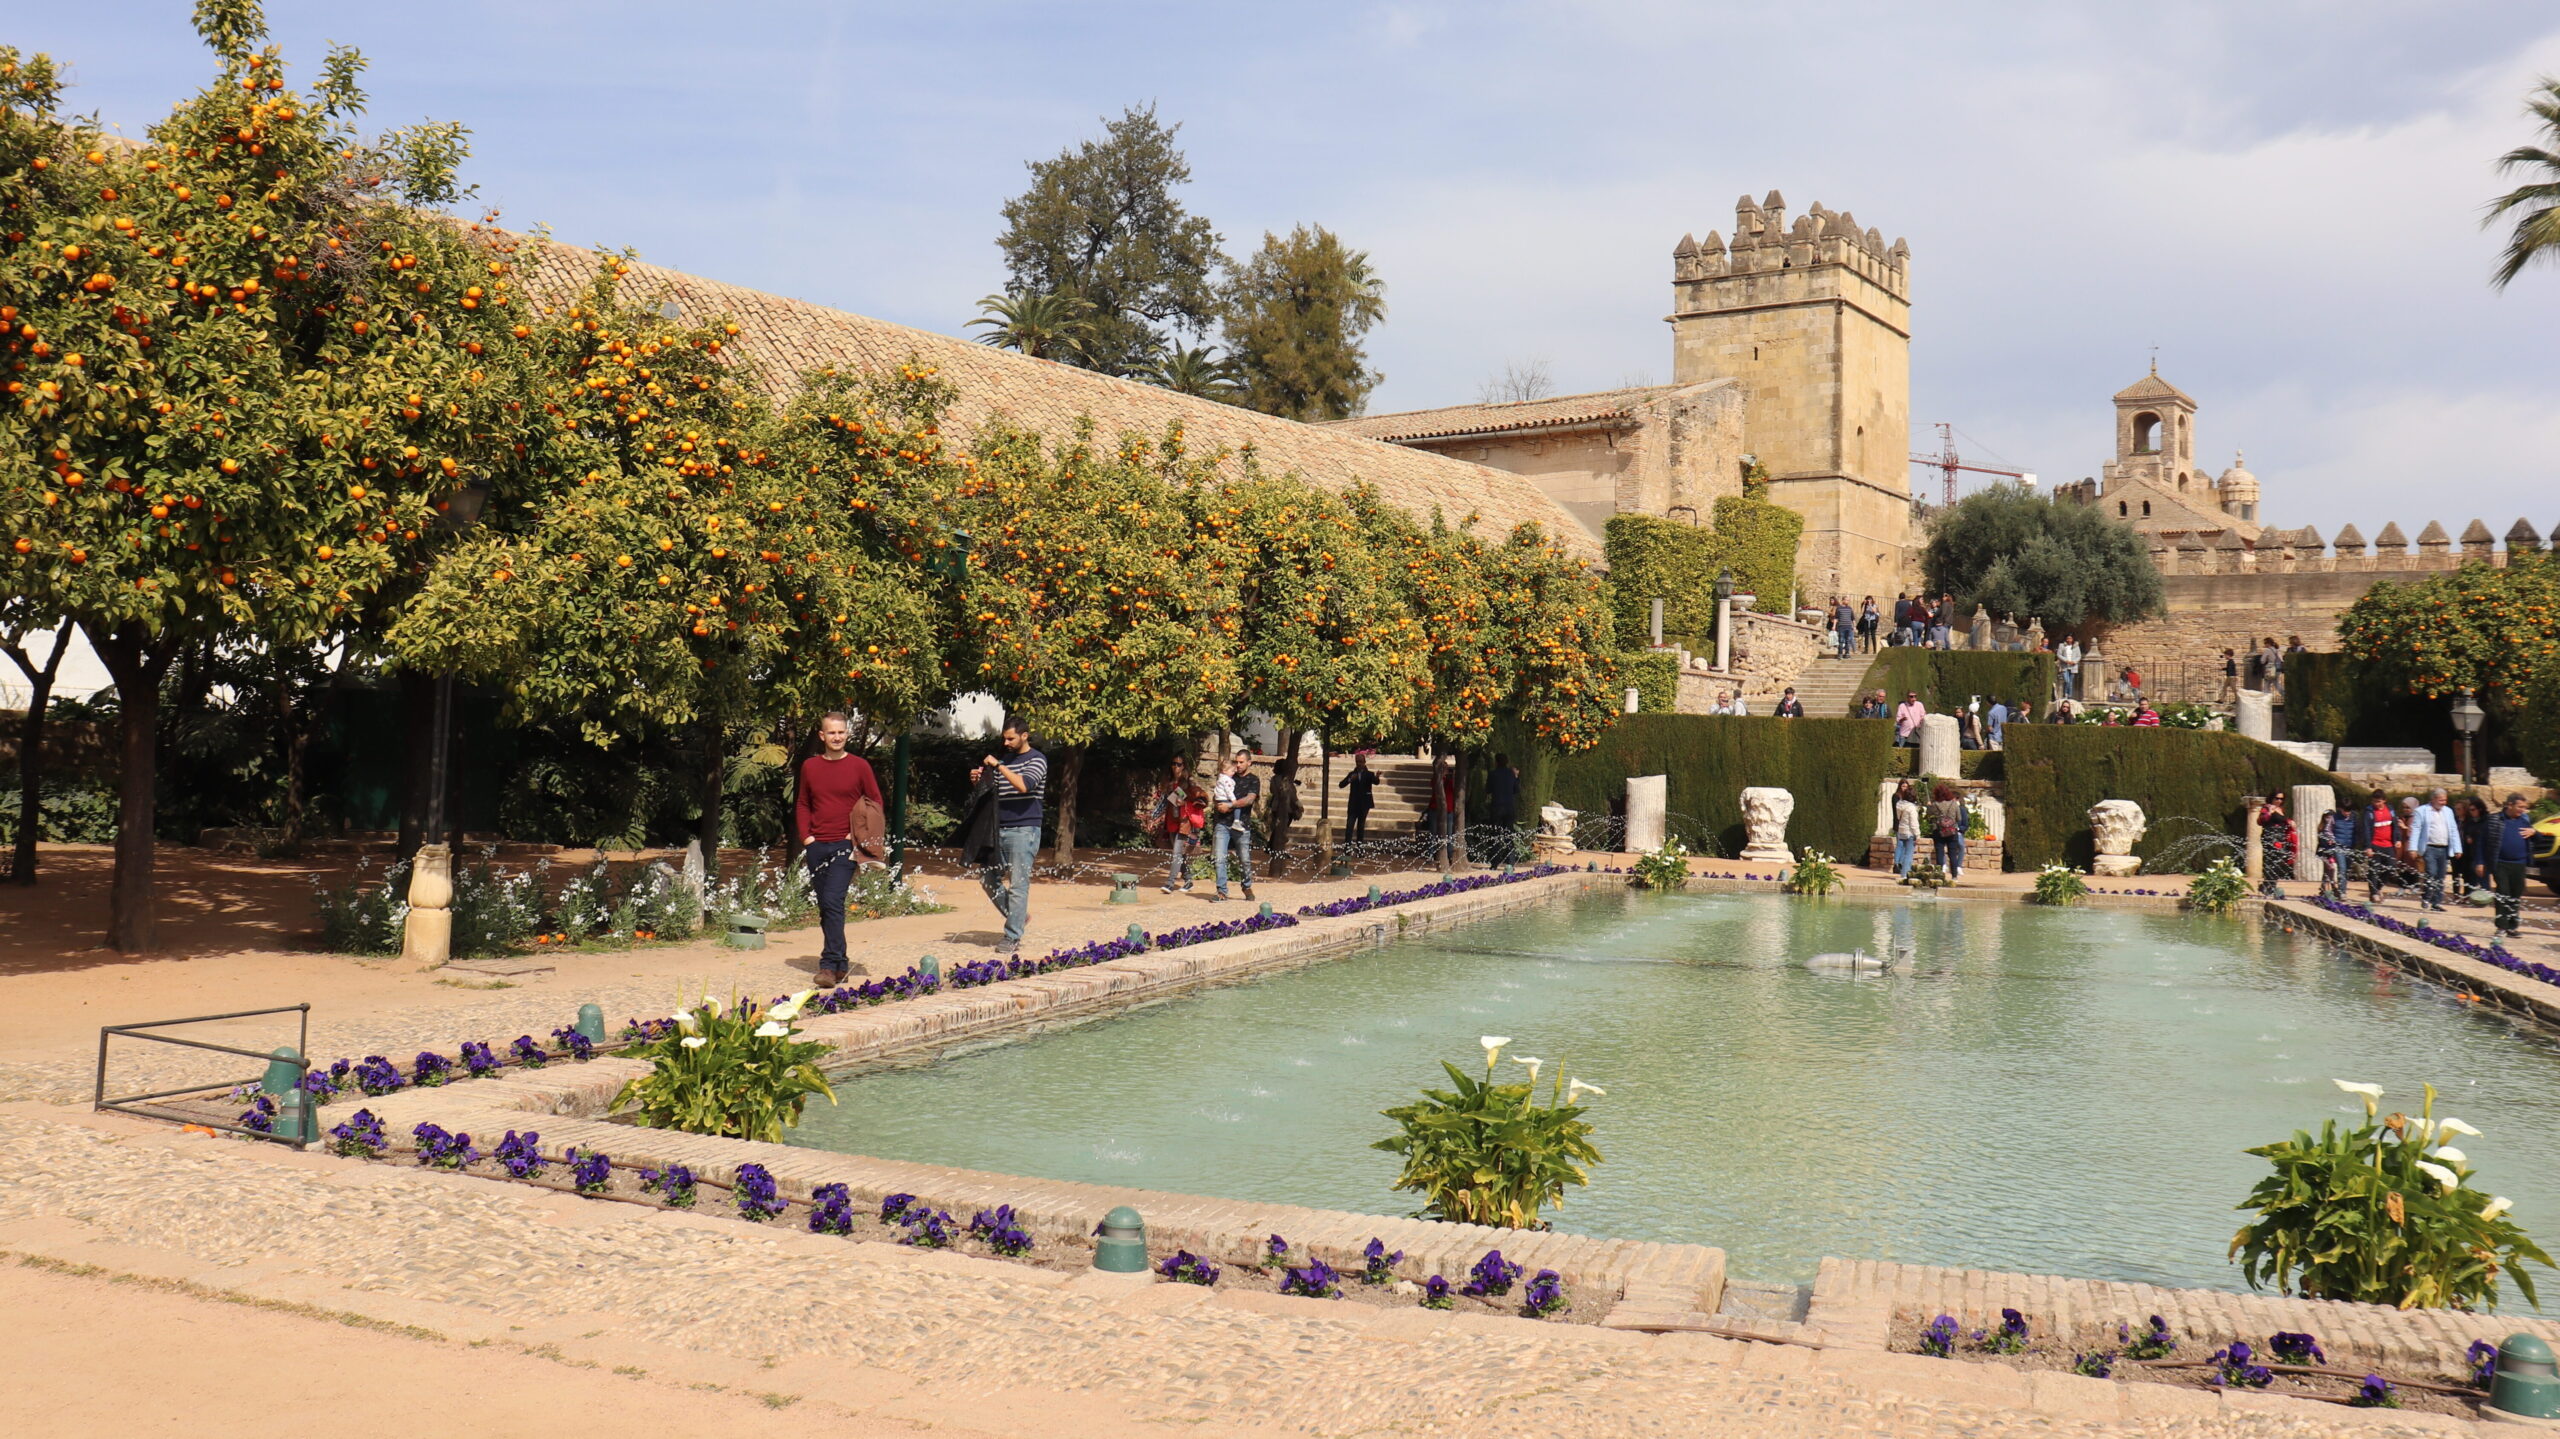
1180,875
1008,880
1904,847
1840,642
1222,836
830,863
2439,859
2071,682
1950,853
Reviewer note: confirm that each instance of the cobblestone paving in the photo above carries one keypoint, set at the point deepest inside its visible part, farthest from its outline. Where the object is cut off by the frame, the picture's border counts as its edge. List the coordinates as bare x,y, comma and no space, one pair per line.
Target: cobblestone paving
967,1326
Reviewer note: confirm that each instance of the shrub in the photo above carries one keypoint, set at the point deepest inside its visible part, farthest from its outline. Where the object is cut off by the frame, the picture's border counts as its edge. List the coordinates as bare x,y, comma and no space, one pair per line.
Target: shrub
1925,874
1655,677
1487,1153
2220,888
2382,1214
1665,869
1814,874
1949,679
2055,772
1831,766
364,916
77,810
2059,884
731,1070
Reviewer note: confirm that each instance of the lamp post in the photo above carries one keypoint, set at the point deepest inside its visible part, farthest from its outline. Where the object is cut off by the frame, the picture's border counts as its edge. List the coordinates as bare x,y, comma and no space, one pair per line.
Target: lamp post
1724,620
2467,717
426,938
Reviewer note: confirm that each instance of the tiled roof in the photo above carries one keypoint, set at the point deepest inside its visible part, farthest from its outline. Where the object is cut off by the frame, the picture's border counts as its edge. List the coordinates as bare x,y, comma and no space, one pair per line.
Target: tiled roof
1519,415
789,337
2152,387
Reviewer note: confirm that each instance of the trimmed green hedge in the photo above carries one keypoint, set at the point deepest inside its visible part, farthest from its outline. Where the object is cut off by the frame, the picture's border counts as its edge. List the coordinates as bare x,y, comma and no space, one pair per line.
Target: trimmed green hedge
1656,677
2055,772
1946,679
1653,558
1831,766
1759,540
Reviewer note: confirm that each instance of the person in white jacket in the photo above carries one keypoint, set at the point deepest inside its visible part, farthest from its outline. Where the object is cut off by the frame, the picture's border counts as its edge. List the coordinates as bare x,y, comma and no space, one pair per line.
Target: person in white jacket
2435,839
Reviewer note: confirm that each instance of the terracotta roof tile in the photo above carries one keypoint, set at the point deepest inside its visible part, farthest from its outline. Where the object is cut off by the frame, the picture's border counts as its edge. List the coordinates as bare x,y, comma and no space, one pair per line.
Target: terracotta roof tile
1518,415
789,337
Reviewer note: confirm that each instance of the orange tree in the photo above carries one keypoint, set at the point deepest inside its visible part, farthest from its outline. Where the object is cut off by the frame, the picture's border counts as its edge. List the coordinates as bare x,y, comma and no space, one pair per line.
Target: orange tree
242,369
704,561
2495,631
1084,607
1323,641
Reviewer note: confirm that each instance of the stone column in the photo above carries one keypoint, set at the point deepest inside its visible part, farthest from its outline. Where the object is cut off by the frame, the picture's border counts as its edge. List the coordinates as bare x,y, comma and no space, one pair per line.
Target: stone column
2253,852
1724,635
2093,676
2312,805
2257,716
1648,809
427,939
1940,755
1765,811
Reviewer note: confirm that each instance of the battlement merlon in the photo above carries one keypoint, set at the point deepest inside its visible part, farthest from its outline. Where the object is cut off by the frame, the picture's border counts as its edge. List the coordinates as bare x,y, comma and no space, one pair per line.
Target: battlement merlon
1764,241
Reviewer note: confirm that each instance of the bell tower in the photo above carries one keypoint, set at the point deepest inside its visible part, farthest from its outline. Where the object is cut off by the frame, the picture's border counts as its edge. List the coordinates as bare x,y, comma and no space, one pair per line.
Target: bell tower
1813,318
2155,435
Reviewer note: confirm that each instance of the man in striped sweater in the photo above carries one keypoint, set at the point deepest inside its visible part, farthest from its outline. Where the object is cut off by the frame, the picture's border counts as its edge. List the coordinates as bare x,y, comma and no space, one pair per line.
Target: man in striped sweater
1022,776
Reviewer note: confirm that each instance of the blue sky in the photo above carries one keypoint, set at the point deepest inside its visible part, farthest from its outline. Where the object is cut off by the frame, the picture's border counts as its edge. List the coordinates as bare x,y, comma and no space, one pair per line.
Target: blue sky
2282,195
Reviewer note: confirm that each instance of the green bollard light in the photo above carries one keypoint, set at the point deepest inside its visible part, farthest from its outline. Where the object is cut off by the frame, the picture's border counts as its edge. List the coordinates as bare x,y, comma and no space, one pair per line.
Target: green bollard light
284,1070
591,1022
1374,895
283,1083
1265,911
1137,937
929,967
2526,1386
1121,1247
1124,889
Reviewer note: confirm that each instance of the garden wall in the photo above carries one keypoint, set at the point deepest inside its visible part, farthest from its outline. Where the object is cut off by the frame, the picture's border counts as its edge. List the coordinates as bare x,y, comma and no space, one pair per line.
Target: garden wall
2053,774
1946,679
1831,766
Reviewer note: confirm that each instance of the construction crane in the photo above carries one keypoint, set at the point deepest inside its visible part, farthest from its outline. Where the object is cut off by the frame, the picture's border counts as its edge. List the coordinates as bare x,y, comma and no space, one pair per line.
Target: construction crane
1947,461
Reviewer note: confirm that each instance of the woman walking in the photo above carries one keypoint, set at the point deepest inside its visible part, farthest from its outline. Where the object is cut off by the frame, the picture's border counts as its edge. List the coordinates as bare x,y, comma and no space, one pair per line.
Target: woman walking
1946,829
1906,828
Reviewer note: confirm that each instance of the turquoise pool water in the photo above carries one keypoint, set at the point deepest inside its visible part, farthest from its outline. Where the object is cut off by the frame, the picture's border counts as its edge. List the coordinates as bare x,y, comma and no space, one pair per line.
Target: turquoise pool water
2050,1091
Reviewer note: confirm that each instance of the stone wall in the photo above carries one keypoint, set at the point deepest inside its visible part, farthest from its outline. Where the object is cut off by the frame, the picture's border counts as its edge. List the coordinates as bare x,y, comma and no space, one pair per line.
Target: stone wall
1770,652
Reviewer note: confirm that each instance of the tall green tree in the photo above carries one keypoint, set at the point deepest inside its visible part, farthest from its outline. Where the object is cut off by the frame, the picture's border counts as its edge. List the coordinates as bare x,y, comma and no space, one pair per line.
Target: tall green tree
1296,313
2015,552
2535,204
245,371
1043,326
1101,223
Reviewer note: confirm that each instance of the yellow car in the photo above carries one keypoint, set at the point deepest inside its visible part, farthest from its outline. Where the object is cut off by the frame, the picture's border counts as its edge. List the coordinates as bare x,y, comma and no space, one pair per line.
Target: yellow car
2546,851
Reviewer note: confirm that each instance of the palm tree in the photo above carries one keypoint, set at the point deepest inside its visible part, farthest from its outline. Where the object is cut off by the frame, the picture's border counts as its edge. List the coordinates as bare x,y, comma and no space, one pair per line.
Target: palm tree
1045,327
2537,228
1202,372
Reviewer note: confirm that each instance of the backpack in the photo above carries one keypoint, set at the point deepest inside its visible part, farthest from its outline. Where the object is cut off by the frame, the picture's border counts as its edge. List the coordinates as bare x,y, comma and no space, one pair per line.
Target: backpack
1948,827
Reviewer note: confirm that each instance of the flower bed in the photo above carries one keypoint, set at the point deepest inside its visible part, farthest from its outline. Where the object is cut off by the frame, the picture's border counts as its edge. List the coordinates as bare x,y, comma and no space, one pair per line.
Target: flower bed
1437,889
2462,945
2288,1364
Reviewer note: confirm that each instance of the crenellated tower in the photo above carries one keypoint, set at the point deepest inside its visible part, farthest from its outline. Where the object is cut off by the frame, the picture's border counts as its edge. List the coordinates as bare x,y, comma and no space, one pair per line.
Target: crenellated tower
1813,318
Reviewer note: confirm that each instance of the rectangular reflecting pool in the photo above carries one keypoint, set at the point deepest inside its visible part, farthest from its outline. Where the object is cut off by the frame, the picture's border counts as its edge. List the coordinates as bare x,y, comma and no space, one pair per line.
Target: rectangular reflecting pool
2028,1089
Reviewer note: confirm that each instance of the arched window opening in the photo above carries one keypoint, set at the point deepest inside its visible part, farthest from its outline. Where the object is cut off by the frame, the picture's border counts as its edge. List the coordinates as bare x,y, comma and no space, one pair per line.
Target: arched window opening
2146,433
2146,509
2122,509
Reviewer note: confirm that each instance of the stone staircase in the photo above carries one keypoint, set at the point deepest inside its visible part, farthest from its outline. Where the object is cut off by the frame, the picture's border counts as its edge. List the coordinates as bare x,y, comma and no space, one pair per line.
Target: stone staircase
1828,686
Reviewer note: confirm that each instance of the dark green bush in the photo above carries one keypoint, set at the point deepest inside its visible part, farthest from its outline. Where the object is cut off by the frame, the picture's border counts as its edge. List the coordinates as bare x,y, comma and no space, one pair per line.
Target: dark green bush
1831,766
1677,562
2186,781
1655,674
75,810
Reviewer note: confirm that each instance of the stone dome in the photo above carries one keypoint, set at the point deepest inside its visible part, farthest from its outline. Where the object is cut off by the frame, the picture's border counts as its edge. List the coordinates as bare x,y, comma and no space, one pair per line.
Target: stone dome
2236,482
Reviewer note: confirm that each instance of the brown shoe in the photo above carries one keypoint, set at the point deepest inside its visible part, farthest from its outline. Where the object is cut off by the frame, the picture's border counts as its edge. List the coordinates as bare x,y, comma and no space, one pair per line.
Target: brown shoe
1248,891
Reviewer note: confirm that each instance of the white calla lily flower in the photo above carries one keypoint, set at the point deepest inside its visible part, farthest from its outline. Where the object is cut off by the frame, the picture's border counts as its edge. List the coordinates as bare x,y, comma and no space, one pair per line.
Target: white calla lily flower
772,1029
2498,1204
2369,1091
1576,1089
2441,1175
1493,1044
1531,1062
2456,1126
684,1020
695,1041
2448,1154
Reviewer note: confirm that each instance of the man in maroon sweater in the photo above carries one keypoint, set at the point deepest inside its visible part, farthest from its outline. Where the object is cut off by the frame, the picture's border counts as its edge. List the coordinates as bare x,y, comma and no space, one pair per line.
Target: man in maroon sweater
830,781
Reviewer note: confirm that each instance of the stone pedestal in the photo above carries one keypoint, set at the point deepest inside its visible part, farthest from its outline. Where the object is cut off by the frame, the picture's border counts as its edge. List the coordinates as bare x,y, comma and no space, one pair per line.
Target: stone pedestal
2253,841
1765,811
427,939
2093,677
2116,825
2311,806
1648,810
2257,715
1940,754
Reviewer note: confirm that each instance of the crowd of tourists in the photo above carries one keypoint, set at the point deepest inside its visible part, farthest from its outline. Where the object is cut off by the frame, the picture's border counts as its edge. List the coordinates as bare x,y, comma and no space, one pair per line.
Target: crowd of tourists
2439,851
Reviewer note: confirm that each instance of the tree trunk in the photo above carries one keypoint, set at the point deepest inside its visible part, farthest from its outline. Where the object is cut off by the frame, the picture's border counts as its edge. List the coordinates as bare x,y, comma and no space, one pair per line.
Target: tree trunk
713,779
1458,823
418,710
136,663
1324,806
22,862
295,721
1067,776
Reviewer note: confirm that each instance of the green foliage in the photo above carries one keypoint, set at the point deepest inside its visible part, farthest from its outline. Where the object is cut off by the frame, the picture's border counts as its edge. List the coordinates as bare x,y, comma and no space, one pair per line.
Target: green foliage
778,892
2491,629
2187,781
493,912
1814,874
1043,326
1677,562
2538,745
2384,1213
1487,1153
2015,552
2190,716
1295,315
363,916
733,1070
1948,679
69,810
1925,874
1758,539
1831,766
1100,222
2219,889
1655,676
2059,884
1196,370
2535,204
1665,869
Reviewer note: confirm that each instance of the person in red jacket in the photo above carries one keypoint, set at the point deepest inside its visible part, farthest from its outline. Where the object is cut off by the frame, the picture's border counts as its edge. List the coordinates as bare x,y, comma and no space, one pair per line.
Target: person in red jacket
830,781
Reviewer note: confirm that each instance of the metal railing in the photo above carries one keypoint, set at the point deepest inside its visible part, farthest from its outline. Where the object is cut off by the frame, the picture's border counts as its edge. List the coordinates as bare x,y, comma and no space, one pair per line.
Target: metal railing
140,1104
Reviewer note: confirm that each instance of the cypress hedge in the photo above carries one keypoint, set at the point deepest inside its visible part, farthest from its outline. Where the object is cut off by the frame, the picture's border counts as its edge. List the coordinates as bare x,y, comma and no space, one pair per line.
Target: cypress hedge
2055,772
1655,674
1831,766
1654,558
1946,679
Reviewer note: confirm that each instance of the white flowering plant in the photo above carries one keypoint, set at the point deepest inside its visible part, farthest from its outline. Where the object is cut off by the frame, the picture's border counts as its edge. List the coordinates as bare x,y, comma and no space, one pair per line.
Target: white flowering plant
1665,869
736,1068
2059,884
2384,1213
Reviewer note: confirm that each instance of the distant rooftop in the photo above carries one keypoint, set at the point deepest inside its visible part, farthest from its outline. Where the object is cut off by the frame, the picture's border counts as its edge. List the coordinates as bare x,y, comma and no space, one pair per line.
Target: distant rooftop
1449,420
